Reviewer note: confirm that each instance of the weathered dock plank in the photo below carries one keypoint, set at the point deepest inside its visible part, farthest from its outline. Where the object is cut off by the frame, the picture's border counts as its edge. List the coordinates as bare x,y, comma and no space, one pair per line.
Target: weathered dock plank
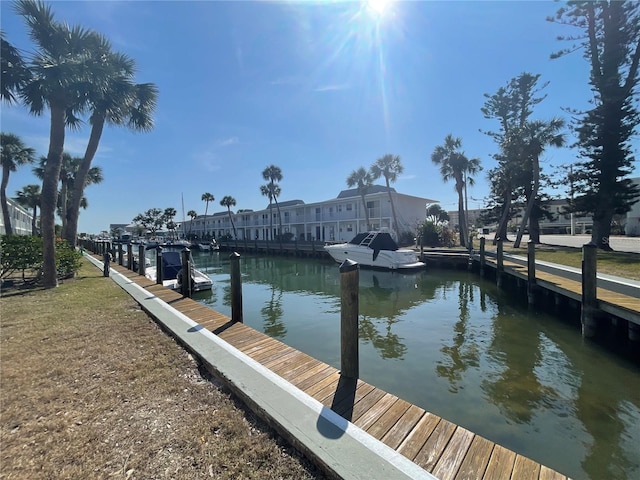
451,459
399,431
476,460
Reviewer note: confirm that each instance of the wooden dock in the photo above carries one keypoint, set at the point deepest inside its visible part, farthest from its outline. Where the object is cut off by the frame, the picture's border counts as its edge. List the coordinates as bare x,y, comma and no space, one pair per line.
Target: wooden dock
609,302
442,448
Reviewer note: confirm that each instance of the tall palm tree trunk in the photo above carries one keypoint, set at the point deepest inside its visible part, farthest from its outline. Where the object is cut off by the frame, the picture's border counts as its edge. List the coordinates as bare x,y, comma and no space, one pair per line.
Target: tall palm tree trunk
270,236
8,230
49,195
461,217
501,231
530,202
279,221
233,225
33,221
62,201
393,209
70,233
366,213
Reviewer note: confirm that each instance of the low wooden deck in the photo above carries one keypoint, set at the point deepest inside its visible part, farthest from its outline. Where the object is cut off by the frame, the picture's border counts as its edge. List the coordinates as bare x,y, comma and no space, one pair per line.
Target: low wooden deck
614,303
444,449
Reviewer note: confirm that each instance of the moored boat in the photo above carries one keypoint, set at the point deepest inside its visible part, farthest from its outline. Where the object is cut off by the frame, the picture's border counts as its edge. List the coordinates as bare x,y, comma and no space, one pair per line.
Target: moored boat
375,249
172,273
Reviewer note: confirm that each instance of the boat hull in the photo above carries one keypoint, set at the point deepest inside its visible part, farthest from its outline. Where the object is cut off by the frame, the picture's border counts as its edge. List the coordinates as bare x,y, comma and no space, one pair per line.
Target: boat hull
201,282
401,259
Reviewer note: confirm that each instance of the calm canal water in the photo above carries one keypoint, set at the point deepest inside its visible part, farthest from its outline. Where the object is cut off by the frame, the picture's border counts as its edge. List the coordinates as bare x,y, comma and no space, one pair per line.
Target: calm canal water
457,346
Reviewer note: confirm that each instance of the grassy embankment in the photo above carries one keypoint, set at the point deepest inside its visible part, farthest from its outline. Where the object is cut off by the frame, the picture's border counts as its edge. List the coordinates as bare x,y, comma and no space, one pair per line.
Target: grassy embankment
621,264
90,387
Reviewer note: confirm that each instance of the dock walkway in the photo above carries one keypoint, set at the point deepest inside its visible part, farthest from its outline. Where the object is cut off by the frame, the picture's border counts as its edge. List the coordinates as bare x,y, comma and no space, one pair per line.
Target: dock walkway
622,300
440,448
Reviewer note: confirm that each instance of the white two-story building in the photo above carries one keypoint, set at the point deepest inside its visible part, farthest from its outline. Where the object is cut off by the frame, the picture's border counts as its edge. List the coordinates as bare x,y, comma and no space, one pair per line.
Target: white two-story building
338,219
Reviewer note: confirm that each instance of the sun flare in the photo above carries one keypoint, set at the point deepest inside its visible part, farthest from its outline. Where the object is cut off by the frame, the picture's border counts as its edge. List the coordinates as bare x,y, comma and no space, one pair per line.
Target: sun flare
378,6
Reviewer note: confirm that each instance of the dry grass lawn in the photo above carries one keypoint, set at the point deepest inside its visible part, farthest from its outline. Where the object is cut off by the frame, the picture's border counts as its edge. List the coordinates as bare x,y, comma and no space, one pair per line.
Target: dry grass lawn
90,387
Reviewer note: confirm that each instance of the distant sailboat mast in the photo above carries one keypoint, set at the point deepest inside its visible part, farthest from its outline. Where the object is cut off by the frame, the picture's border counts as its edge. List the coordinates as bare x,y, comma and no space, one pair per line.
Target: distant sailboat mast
183,235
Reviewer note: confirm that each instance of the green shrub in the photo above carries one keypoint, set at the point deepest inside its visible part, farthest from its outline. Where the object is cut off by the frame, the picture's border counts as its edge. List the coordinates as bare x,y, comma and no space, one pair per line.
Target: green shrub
19,253
22,253
68,260
432,235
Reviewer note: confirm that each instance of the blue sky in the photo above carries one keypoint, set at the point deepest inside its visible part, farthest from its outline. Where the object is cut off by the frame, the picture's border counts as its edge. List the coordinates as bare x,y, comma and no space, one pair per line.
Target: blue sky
317,88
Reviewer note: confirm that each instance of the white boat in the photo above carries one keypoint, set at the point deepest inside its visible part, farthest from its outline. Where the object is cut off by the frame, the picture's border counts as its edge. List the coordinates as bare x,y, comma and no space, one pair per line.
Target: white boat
172,273
377,250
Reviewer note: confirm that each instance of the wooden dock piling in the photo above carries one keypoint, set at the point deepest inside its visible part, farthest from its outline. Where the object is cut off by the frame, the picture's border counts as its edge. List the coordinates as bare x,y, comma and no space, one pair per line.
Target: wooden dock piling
186,287
483,260
500,262
531,272
159,273
236,289
589,289
349,310
141,260
129,256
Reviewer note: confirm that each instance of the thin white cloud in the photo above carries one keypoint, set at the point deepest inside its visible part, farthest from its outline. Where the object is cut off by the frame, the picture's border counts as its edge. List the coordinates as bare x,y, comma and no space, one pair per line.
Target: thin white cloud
207,160
331,88
227,142
292,80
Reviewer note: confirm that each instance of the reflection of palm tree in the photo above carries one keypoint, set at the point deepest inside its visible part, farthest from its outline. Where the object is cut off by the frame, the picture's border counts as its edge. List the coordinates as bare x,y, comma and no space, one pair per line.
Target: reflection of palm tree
516,347
389,345
464,351
272,314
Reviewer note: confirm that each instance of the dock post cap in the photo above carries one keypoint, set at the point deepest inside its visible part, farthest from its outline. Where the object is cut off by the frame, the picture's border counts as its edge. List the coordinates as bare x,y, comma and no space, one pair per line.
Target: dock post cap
234,255
348,266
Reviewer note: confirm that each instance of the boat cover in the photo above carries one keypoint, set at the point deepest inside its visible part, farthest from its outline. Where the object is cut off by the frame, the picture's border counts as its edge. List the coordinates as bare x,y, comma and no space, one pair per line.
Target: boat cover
382,241
171,265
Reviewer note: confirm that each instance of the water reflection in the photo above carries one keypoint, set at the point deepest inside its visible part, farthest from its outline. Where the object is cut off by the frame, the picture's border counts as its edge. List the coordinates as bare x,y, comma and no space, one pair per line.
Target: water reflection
464,351
453,344
272,315
515,351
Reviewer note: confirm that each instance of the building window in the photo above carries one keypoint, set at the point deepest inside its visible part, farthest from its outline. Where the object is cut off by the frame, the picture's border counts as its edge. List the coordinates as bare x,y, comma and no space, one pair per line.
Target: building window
349,207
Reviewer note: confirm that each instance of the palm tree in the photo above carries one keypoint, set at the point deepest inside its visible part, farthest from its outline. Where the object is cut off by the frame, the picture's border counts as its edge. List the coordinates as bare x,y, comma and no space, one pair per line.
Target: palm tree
533,139
14,71
454,165
119,103
66,66
206,197
270,190
29,197
389,167
229,202
363,180
68,169
192,214
68,174
274,175
14,153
